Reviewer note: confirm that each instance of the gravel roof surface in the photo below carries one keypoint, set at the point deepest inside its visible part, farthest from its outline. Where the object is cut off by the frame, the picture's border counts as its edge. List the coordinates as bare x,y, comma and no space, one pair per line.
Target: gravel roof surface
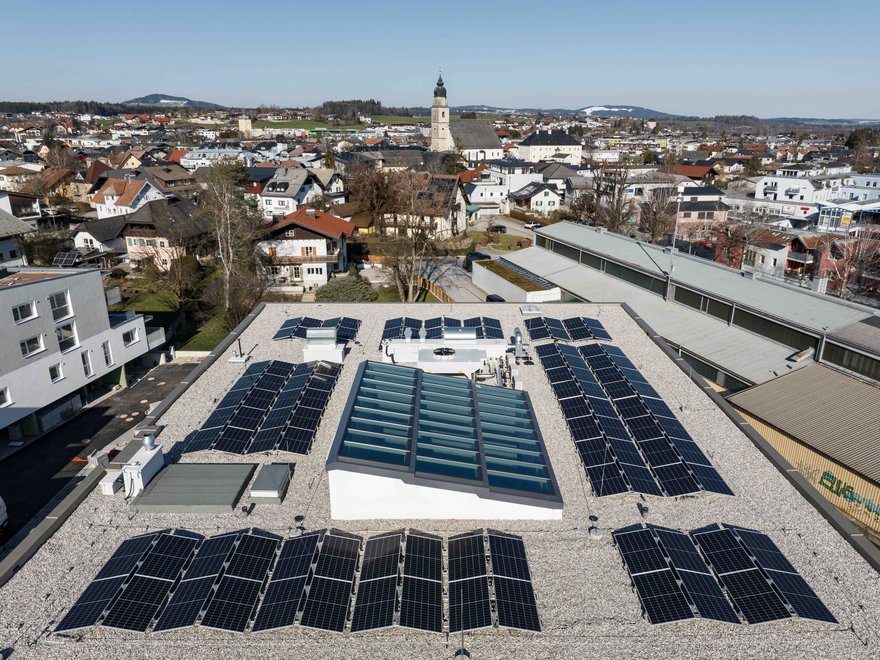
585,600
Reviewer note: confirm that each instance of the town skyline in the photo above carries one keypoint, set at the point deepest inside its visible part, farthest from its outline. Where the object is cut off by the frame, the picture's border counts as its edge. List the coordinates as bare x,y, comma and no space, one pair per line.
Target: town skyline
673,59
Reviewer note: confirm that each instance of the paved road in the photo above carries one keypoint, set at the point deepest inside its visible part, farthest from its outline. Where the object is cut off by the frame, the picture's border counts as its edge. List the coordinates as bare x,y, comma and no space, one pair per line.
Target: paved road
514,227
33,475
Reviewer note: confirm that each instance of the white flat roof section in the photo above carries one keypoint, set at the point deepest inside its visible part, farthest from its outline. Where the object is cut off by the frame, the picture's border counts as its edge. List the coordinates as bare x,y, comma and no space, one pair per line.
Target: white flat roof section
585,597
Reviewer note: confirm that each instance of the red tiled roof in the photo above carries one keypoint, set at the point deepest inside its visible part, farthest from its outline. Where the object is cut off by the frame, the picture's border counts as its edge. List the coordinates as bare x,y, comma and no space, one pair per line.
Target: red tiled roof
467,176
176,155
126,190
691,171
319,221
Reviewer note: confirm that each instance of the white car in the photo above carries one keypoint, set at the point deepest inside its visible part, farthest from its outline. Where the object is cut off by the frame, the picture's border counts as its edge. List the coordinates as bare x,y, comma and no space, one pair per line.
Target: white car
532,225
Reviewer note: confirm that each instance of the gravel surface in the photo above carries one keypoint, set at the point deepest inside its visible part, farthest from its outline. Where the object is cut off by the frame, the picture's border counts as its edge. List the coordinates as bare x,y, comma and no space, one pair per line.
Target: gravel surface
585,599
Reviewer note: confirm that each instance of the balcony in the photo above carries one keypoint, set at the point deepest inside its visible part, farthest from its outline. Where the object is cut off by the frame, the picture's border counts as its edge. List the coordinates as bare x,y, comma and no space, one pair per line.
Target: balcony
155,337
302,259
800,257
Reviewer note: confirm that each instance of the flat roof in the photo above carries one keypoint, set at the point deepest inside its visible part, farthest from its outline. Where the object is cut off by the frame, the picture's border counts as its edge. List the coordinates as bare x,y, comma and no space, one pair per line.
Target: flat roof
585,598
26,275
195,488
818,312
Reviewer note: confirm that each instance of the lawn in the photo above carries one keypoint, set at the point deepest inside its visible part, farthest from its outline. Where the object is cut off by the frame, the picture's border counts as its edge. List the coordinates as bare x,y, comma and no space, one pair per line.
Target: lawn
400,119
304,124
208,336
503,242
162,306
389,294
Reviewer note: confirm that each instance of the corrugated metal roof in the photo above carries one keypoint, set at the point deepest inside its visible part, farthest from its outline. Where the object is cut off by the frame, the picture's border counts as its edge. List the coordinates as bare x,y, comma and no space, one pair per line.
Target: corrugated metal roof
826,409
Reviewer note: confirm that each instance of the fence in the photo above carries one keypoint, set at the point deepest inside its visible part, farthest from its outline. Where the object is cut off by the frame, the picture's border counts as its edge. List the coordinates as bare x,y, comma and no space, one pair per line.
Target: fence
435,290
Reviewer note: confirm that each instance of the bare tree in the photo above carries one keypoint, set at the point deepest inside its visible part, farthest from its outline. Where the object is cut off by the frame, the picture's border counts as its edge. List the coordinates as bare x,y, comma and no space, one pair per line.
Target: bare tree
610,206
657,217
732,243
233,225
372,189
415,233
854,257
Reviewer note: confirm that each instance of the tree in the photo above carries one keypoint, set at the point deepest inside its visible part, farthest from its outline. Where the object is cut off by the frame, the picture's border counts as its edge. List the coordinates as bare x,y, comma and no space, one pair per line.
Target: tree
732,242
41,246
854,256
346,289
372,190
329,159
455,160
753,165
657,217
245,289
415,237
607,203
233,226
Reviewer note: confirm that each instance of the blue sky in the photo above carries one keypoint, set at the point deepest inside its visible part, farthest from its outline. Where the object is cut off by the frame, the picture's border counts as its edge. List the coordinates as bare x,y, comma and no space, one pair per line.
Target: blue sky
763,57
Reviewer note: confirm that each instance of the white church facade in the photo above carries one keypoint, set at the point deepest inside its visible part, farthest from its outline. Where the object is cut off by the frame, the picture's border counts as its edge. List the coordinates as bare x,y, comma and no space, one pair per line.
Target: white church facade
476,139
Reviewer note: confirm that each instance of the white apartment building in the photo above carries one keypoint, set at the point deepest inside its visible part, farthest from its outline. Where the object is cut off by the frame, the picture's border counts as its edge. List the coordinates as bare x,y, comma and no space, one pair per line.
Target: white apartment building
551,145
207,156
794,190
62,347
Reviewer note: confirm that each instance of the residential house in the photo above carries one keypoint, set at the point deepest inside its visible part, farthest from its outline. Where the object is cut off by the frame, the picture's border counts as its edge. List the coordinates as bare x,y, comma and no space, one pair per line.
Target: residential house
551,145
306,247
101,240
439,208
83,182
700,211
766,251
704,173
161,231
291,187
539,198
123,196
22,205
15,178
11,231
207,156
351,211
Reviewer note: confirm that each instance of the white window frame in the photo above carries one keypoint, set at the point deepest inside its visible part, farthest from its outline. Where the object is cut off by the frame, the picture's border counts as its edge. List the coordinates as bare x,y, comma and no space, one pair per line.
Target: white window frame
60,369
134,332
108,353
75,336
86,360
18,318
5,397
27,352
67,304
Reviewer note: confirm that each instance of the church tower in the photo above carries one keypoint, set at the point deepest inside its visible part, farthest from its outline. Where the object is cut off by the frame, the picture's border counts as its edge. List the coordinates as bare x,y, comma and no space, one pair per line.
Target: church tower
441,139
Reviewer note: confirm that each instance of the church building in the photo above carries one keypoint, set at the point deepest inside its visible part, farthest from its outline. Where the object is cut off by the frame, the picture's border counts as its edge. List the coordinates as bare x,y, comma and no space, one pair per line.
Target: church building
476,138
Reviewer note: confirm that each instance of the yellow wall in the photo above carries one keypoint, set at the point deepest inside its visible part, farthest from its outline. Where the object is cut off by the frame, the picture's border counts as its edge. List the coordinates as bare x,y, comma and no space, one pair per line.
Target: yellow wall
856,496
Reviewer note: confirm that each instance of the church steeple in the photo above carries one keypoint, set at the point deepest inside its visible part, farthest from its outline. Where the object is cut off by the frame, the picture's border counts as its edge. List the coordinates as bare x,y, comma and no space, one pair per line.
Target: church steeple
440,90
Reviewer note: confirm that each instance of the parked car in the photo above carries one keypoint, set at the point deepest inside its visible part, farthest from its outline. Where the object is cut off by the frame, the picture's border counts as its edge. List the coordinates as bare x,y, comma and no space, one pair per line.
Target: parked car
532,225
471,257
494,297
498,229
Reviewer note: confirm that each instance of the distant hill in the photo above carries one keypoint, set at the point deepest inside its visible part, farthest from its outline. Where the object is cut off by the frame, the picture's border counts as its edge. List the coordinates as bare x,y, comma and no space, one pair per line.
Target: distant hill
633,111
165,100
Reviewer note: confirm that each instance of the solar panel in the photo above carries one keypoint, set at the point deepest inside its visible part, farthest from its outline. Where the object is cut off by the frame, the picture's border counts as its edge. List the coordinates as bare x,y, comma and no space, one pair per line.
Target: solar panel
784,576
280,605
235,599
346,328
144,594
193,590
749,590
99,594
514,596
66,259
421,603
469,606
329,594
695,576
377,589
660,594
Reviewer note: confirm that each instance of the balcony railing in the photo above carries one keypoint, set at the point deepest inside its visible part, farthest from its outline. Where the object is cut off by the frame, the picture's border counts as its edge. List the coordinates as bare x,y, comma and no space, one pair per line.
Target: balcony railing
302,259
801,257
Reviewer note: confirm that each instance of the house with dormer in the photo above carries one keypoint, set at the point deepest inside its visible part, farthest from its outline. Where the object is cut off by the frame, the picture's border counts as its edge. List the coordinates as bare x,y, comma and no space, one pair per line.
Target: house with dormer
122,196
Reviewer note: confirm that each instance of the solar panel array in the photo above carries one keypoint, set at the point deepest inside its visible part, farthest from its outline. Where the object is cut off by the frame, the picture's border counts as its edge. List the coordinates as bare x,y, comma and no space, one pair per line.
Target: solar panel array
274,405
486,327
440,428
252,580
577,328
671,573
627,437
346,328
66,258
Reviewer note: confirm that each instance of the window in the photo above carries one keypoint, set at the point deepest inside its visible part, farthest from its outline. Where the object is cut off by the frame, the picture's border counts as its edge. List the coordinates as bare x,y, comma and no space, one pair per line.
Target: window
87,364
66,335
5,399
25,312
308,251
130,337
55,373
161,243
108,355
60,305
164,262
774,261
314,270
31,346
